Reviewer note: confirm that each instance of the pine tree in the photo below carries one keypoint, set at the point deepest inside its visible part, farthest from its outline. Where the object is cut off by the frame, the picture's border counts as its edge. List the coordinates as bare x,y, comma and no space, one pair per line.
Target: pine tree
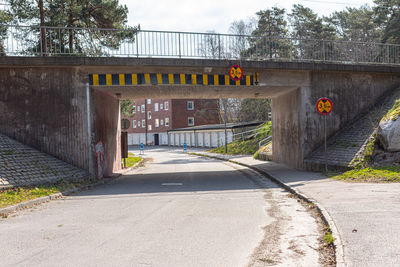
75,14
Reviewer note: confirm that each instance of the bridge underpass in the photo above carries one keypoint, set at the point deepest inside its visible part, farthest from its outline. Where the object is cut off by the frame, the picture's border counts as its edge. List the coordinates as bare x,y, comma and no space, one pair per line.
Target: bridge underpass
48,102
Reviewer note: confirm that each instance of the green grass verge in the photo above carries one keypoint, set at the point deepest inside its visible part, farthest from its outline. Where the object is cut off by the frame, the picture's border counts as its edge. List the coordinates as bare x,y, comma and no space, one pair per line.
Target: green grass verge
247,147
394,112
132,160
381,174
17,195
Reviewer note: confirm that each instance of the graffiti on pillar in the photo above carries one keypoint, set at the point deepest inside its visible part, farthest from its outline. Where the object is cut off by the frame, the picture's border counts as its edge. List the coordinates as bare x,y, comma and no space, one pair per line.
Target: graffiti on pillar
100,157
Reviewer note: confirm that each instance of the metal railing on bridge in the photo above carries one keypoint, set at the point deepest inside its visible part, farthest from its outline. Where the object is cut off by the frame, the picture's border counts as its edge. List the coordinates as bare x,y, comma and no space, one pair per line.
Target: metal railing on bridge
18,40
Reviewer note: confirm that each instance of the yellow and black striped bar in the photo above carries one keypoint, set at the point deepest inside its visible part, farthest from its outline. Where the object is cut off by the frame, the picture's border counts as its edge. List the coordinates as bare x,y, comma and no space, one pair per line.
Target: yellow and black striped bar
169,78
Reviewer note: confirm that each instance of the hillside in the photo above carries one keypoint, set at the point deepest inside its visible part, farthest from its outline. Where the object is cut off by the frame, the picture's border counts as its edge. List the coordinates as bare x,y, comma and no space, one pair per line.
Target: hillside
249,145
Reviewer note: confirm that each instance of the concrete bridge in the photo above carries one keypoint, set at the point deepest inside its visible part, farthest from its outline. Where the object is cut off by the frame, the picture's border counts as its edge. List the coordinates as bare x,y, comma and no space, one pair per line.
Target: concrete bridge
48,102
54,103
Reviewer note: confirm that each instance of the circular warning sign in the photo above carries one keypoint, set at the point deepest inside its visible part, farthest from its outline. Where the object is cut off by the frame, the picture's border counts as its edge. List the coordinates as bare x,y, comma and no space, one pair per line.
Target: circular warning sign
324,106
236,72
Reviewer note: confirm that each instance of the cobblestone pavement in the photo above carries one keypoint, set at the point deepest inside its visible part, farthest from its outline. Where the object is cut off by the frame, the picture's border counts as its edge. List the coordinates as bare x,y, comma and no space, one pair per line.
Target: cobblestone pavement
23,165
346,145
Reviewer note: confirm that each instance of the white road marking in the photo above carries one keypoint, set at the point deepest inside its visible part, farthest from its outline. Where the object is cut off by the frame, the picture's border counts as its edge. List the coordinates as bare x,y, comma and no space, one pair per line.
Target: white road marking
168,184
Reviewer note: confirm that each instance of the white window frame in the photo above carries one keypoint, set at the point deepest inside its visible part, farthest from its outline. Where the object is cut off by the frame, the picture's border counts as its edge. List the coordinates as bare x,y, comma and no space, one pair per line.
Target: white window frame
134,109
134,124
138,108
161,122
192,104
161,106
149,128
142,108
166,105
192,118
138,123
143,123
156,123
148,101
149,115
155,106
166,122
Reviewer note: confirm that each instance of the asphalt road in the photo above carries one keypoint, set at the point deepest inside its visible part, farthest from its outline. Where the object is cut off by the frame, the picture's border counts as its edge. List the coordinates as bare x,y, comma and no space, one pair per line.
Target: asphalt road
178,210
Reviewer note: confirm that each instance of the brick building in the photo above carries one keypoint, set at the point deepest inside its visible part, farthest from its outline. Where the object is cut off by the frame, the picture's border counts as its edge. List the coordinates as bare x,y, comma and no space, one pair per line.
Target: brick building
154,117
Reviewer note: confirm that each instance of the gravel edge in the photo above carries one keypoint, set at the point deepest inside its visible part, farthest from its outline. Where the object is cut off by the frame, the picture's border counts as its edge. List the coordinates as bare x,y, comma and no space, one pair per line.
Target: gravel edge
338,243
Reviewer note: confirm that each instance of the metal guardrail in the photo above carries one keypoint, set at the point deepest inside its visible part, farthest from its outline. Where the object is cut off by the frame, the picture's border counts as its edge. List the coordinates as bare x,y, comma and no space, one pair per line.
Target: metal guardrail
18,40
265,141
242,135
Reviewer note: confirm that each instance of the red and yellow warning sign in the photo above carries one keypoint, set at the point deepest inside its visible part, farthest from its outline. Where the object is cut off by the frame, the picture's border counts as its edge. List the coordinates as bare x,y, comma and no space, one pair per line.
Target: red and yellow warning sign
236,72
324,106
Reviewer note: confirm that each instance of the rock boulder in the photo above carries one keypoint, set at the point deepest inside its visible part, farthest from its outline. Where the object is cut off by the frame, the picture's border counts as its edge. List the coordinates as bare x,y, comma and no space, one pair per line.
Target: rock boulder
389,134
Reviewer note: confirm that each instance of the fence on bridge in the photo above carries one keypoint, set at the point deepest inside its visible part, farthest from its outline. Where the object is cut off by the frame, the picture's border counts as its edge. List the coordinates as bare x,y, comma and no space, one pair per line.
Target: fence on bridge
62,41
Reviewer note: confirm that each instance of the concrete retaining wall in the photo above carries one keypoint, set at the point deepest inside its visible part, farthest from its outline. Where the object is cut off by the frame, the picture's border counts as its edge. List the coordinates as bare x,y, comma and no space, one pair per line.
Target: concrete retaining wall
45,107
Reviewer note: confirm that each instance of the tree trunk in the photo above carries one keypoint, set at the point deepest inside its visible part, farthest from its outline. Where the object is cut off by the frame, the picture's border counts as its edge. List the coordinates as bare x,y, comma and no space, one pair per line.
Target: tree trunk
42,30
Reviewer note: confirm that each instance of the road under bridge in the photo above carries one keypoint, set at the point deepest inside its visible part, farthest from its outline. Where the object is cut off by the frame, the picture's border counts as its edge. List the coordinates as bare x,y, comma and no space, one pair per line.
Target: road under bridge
69,106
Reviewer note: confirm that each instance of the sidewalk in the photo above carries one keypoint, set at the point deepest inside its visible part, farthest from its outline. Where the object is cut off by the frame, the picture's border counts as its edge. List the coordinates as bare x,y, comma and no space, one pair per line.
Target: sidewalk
367,216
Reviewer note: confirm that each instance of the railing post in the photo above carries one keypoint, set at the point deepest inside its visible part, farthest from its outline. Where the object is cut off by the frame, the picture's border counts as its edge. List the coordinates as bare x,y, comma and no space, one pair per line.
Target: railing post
179,42
219,46
137,43
43,41
323,50
387,52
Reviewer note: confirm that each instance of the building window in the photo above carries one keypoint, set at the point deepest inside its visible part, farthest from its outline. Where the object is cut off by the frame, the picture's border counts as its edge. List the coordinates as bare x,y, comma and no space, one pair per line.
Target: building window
143,108
134,109
166,105
148,101
161,106
156,123
138,123
138,108
167,122
149,115
134,124
190,105
149,127
155,106
143,123
162,122
191,121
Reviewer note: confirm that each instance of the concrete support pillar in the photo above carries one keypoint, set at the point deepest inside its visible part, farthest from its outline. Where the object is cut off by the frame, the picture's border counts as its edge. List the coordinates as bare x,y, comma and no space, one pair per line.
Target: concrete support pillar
286,129
107,128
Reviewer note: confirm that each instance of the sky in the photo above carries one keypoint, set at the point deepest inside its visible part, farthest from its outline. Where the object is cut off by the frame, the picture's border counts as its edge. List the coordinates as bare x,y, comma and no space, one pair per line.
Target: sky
215,15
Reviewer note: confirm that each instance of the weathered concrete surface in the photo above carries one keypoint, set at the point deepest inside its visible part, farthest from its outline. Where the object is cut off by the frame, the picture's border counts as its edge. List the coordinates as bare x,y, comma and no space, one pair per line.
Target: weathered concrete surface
351,94
46,108
180,211
298,126
346,148
107,128
294,87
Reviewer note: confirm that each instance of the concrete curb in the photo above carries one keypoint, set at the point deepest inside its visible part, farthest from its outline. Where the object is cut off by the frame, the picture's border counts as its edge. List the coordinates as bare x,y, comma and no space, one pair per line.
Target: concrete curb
34,202
338,244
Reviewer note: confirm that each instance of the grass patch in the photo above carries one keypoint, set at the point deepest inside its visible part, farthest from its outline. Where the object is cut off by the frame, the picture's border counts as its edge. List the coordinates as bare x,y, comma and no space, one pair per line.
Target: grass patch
328,238
380,174
132,160
394,112
246,147
17,195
